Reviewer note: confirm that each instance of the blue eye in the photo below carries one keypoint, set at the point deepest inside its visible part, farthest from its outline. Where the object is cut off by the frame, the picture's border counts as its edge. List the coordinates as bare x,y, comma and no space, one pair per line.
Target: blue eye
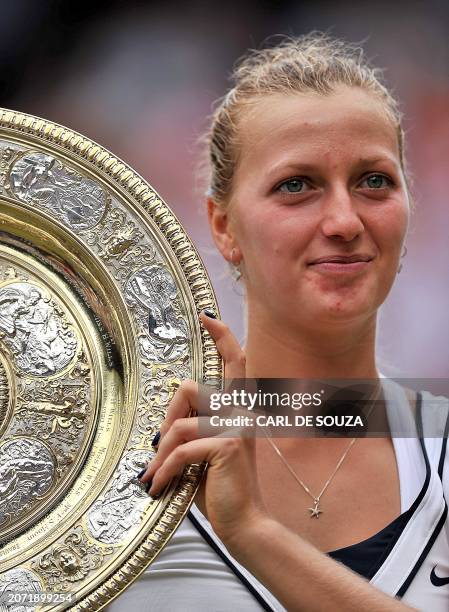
293,185
377,181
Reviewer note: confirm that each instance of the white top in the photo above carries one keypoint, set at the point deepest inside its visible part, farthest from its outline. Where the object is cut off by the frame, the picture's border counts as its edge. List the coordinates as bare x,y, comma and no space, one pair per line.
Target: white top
189,576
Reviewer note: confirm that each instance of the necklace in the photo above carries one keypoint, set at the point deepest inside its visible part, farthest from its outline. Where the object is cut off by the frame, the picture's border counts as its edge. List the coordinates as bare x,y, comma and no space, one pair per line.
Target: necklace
315,510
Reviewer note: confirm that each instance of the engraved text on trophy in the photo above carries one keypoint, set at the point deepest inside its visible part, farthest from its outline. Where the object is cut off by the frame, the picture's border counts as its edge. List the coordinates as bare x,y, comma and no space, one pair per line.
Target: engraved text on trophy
4,394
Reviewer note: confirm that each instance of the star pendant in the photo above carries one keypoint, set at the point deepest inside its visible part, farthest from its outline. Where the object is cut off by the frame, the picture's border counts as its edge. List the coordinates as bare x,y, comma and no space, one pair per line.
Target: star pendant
315,511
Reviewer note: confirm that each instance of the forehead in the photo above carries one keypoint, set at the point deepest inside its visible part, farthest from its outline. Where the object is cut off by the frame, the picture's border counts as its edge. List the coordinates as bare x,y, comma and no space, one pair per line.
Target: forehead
348,122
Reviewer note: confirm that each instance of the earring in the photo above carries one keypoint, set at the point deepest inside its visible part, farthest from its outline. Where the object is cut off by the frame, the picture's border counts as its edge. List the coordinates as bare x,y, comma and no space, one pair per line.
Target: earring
235,267
404,253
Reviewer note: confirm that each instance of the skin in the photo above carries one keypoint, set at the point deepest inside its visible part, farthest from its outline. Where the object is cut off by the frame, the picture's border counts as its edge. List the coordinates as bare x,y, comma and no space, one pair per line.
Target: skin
303,321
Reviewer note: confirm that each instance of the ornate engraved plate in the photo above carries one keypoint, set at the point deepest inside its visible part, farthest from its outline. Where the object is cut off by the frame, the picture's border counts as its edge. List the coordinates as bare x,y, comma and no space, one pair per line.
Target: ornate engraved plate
99,294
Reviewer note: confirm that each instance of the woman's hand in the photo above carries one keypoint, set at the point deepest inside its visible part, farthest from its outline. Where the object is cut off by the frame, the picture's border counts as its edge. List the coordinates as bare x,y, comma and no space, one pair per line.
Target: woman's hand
230,493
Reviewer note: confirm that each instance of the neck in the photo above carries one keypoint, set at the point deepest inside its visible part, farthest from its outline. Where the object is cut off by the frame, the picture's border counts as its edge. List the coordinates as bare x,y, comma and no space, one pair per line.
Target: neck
281,350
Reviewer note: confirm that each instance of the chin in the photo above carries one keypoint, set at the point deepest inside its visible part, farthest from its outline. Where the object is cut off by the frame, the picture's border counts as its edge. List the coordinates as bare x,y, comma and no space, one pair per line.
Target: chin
341,309
349,301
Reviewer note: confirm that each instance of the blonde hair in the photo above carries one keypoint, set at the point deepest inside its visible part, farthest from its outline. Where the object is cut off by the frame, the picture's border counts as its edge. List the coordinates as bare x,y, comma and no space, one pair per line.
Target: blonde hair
315,63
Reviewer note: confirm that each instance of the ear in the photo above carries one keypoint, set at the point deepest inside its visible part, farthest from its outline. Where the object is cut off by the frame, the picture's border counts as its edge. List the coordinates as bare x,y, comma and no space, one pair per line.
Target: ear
220,227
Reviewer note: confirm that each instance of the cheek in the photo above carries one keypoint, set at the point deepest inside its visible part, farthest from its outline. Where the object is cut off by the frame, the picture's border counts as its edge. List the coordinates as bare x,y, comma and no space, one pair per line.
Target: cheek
391,230
273,237
271,253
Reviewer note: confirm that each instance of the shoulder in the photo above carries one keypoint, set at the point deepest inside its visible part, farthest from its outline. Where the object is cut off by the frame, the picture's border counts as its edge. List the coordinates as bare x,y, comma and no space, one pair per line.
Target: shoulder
434,417
430,424
430,411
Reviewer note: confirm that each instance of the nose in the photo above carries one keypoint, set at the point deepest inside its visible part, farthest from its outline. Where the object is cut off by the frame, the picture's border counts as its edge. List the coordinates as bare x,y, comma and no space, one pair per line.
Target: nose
340,217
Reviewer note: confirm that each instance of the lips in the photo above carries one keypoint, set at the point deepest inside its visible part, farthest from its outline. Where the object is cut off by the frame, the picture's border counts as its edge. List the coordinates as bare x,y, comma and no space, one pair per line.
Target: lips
342,258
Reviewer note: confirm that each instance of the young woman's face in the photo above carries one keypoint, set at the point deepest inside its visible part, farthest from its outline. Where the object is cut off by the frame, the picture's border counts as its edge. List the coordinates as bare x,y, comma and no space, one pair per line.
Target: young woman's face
318,177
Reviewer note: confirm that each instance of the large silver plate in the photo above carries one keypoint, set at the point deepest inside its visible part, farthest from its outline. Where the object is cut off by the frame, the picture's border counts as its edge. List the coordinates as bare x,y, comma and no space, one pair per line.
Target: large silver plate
100,289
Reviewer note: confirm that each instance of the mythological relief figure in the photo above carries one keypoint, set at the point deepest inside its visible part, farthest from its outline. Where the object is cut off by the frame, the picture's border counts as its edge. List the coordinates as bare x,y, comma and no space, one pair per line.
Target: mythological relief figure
18,581
64,410
33,331
120,509
26,473
41,179
119,237
152,291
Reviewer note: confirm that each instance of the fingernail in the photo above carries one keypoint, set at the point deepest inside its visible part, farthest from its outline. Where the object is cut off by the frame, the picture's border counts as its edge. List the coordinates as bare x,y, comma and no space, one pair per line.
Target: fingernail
156,439
209,313
148,485
141,473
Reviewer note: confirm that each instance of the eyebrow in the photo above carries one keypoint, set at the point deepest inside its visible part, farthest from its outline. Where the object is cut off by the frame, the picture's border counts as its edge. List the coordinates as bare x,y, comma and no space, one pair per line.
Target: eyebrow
368,161
290,166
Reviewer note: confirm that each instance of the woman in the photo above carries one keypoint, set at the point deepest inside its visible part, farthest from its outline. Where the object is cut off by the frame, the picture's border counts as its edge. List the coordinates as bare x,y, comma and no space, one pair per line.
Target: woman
309,200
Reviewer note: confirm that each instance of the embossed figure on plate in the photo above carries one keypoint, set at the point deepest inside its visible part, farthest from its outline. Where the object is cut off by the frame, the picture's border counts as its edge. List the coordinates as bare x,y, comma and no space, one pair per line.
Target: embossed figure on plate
152,292
120,509
18,581
34,331
70,561
42,180
26,473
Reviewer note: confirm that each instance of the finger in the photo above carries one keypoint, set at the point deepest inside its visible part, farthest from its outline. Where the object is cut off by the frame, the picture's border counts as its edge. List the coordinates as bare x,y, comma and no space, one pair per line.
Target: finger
227,345
183,403
186,430
182,431
195,451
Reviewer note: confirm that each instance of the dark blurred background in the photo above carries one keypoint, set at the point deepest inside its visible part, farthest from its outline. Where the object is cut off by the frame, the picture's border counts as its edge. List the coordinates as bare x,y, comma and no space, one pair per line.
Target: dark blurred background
139,78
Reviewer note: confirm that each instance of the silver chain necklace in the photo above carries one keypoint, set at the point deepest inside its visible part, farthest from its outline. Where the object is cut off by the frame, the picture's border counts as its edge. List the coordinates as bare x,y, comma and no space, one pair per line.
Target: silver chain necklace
315,510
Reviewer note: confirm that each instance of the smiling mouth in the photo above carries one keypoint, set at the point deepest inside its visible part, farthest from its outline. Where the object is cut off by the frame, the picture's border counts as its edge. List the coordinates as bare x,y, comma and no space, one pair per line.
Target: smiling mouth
342,265
342,259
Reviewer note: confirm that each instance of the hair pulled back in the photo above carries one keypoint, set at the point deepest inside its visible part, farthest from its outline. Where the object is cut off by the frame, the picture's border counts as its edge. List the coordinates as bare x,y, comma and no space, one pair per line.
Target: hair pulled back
313,63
